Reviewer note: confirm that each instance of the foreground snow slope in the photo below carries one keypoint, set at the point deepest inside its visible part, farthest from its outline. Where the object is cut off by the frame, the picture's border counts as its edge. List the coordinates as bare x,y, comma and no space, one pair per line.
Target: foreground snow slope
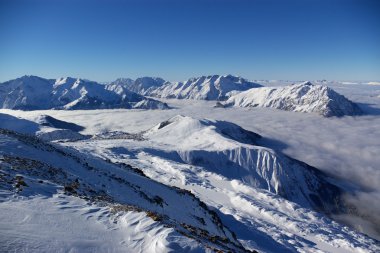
214,87
303,97
31,93
35,173
62,223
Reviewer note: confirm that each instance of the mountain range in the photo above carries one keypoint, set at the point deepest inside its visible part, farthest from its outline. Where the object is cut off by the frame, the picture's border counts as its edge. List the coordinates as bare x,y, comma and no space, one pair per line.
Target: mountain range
36,93
31,93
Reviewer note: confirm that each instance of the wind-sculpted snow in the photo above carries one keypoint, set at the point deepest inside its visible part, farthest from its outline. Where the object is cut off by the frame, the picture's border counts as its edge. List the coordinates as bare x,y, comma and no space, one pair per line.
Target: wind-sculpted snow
31,169
214,87
31,93
304,97
63,223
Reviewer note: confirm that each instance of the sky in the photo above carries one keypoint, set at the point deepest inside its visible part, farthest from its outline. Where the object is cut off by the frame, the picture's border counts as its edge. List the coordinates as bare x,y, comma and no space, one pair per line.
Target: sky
179,39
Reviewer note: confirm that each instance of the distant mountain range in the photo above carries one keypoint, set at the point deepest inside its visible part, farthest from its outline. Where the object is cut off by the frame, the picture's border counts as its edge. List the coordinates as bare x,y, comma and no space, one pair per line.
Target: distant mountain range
32,92
303,97
215,87
36,93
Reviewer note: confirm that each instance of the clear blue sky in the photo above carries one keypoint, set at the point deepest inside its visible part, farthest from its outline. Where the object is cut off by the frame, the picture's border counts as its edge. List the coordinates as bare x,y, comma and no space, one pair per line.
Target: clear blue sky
265,39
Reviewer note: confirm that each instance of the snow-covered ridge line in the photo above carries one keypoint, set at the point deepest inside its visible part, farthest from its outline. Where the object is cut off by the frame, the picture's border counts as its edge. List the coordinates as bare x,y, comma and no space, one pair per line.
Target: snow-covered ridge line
142,85
213,87
233,152
93,179
35,93
30,92
303,97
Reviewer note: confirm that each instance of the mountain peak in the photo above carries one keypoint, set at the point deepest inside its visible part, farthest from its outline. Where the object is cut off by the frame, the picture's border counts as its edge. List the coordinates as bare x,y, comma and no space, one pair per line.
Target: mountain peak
228,149
308,83
302,97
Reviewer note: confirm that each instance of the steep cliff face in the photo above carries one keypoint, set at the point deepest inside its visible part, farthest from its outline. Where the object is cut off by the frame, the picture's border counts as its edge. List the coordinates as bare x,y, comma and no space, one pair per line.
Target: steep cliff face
208,144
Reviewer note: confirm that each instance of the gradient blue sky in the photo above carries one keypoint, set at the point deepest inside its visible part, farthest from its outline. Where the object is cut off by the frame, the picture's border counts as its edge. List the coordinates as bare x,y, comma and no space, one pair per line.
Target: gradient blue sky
103,40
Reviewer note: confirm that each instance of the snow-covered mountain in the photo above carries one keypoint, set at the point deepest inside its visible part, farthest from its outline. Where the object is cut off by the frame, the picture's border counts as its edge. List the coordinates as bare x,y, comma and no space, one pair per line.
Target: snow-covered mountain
26,93
303,97
142,85
265,197
31,92
214,87
145,215
233,152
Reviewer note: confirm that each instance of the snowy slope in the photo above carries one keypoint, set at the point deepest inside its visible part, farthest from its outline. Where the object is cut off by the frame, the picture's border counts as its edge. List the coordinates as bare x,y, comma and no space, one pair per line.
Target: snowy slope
214,87
231,151
249,185
224,148
142,85
62,223
46,128
303,97
138,213
262,221
30,92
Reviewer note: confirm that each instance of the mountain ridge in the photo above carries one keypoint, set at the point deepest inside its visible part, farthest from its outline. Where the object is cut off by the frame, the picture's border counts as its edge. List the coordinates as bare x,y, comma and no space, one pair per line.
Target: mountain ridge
209,144
36,93
302,97
214,87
